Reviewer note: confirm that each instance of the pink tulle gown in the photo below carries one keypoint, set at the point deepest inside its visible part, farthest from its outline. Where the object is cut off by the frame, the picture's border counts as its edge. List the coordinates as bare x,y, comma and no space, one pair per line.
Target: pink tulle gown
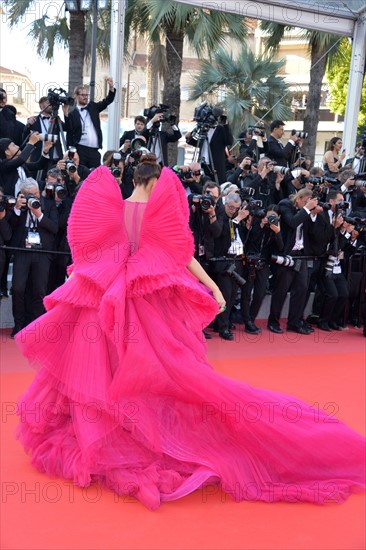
124,395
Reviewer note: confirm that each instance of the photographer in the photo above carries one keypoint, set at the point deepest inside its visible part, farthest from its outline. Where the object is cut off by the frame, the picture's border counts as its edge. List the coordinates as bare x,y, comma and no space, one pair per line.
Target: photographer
227,263
34,226
297,213
249,142
192,177
127,136
159,139
266,183
283,155
242,174
113,159
83,125
263,238
352,194
206,221
14,168
73,172
211,136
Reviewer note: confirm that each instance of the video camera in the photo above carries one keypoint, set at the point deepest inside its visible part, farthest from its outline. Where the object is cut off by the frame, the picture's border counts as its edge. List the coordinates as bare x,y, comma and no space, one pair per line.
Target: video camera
207,116
7,203
160,109
58,96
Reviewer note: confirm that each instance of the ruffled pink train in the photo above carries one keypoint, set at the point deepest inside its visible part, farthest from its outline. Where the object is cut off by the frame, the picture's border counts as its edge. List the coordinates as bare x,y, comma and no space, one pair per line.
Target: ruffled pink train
125,397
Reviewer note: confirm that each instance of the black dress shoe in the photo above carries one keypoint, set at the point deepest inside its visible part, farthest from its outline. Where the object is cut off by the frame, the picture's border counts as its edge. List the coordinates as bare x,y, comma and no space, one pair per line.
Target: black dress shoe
322,325
251,328
298,330
15,331
207,335
275,328
308,326
226,335
312,319
335,326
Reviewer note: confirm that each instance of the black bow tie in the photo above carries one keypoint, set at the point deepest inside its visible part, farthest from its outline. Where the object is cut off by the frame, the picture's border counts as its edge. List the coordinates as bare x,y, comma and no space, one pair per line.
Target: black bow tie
83,108
45,118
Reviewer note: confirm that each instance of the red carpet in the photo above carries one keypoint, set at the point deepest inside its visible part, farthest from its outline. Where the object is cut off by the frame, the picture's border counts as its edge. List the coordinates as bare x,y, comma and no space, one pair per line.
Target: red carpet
326,370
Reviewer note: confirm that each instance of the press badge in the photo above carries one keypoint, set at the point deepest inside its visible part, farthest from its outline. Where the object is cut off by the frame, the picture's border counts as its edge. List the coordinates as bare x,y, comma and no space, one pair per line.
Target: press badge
201,250
33,239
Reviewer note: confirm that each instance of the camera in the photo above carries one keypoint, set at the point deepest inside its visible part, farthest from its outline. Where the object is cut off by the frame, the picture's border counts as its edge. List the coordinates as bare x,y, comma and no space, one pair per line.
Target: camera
255,208
55,190
137,143
31,201
281,169
324,205
246,193
300,135
342,206
322,179
58,96
254,261
116,169
231,271
207,116
7,203
48,137
359,223
203,201
70,167
157,109
273,219
71,152
256,130
331,261
287,261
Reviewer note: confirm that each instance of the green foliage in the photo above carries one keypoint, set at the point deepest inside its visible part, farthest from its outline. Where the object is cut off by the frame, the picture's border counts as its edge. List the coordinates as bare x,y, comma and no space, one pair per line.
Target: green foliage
338,78
249,85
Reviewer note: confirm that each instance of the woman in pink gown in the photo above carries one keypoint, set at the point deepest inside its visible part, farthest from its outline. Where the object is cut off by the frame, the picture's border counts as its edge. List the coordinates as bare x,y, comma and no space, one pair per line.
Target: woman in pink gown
124,395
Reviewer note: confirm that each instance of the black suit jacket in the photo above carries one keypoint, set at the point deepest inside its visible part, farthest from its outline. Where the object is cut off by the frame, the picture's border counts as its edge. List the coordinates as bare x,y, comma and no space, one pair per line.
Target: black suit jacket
73,121
47,227
130,134
37,151
9,173
282,155
291,218
10,127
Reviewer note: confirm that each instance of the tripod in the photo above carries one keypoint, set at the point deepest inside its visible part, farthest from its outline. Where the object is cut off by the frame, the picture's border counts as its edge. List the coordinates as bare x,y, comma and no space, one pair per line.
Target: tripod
208,167
155,140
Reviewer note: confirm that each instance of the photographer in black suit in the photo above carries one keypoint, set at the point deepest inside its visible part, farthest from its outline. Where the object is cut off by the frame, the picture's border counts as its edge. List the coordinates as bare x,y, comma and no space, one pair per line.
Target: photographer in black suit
296,215
284,155
129,135
83,125
14,168
159,139
34,225
10,127
42,124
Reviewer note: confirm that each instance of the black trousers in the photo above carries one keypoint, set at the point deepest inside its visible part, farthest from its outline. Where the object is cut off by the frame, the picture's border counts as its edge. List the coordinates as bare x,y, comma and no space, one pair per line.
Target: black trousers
250,303
229,289
32,267
89,156
336,295
288,279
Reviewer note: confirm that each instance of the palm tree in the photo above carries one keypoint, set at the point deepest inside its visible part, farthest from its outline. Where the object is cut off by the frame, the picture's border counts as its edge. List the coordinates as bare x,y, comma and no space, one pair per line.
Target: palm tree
248,84
172,22
74,34
322,48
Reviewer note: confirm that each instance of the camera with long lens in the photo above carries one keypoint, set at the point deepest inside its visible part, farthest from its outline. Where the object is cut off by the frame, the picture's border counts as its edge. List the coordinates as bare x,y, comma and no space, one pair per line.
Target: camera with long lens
231,271
286,261
203,201
7,203
58,96
70,167
160,109
329,266
300,135
359,179
281,169
207,116
255,208
54,190
115,168
359,223
257,130
319,180
32,201
48,137
137,143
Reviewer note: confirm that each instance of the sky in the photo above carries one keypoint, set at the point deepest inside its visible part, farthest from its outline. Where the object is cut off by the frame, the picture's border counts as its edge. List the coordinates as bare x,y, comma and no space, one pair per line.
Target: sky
18,53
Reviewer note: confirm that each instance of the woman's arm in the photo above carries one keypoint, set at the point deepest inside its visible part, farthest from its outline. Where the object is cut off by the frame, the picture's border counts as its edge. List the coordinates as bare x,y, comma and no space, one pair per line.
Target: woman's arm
329,159
197,270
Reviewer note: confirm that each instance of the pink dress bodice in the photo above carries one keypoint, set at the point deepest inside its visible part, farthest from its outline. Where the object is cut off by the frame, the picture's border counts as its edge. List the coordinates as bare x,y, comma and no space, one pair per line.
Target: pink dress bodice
133,214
